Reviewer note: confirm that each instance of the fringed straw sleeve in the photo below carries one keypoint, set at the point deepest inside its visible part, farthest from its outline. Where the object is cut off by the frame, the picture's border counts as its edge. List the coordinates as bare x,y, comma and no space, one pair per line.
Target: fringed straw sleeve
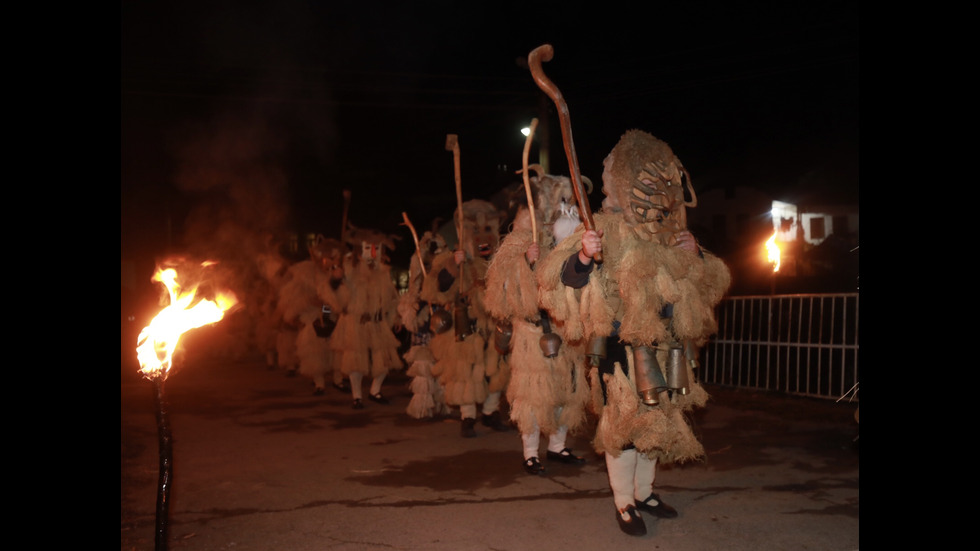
562,303
512,290
591,310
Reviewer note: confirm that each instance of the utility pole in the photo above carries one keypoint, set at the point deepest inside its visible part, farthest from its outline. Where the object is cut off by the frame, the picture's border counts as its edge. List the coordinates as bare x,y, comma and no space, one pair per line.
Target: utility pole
543,146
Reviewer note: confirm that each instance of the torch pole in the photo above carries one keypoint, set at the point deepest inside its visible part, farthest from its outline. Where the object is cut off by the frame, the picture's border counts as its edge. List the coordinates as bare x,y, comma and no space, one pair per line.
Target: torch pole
166,466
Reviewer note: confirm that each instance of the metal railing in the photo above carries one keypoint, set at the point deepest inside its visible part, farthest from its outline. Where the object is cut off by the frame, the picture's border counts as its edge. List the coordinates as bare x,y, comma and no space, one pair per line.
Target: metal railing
805,345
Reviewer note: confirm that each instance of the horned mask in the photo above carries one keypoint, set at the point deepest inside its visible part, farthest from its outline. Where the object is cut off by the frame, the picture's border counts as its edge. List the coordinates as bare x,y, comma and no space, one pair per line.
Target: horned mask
369,245
326,253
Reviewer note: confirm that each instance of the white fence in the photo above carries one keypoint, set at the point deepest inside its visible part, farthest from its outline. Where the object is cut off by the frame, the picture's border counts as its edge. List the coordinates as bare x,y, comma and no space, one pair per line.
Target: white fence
804,345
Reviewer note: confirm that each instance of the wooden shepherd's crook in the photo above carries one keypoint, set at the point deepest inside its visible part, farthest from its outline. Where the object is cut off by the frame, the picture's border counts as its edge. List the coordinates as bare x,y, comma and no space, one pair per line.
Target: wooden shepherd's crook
527,181
343,222
544,53
415,236
452,144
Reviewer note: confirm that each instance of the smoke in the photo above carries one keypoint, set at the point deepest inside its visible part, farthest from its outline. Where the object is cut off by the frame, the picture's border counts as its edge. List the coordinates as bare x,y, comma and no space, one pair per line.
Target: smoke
232,179
230,174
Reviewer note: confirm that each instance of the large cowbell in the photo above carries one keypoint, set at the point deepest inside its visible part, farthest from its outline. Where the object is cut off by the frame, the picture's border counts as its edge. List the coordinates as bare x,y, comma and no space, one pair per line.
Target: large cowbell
649,378
550,342
503,336
461,319
677,379
326,323
440,321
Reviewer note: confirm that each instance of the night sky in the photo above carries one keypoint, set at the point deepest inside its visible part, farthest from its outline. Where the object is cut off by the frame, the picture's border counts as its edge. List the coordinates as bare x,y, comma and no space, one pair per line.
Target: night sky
242,119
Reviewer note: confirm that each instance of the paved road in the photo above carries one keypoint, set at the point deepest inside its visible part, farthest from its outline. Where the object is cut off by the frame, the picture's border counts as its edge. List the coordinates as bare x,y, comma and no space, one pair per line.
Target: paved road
260,464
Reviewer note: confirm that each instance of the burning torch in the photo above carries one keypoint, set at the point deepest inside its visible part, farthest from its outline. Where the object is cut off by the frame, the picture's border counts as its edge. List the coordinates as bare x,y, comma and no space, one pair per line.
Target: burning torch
155,348
773,257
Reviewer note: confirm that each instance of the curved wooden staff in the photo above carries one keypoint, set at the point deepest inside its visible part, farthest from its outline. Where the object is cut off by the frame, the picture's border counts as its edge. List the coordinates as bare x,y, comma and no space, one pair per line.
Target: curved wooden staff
415,236
544,53
343,227
452,144
527,181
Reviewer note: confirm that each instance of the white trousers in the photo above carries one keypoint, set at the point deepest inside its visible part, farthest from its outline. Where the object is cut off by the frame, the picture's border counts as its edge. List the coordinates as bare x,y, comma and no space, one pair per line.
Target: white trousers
631,477
490,405
356,381
532,440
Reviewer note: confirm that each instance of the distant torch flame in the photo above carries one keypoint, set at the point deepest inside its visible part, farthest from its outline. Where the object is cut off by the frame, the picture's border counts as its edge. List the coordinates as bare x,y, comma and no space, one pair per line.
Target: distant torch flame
773,251
157,342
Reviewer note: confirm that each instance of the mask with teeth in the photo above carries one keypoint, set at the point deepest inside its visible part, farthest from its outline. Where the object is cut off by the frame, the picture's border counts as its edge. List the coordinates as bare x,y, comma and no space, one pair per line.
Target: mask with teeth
481,228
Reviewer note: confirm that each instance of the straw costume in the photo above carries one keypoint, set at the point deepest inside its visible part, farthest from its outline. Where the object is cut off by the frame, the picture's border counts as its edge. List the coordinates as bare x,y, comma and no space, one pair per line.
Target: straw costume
467,366
272,268
548,390
365,338
648,294
309,300
427,395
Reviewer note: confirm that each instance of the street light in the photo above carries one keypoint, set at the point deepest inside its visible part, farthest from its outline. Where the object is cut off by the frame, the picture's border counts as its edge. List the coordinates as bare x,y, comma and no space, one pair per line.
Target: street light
542,136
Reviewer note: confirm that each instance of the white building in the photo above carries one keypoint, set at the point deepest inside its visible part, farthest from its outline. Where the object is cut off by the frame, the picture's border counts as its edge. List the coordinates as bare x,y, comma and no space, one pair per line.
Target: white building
737,222
736,212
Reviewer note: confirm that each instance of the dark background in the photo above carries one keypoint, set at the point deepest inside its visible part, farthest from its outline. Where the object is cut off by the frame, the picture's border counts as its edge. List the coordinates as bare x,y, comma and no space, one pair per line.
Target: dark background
244,120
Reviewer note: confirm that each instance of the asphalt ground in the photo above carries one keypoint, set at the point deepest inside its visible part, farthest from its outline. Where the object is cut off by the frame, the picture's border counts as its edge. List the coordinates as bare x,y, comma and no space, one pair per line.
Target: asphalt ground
260,463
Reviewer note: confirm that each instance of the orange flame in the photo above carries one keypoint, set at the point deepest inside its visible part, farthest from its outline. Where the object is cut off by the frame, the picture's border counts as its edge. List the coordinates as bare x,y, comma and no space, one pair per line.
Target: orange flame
772,250
158,340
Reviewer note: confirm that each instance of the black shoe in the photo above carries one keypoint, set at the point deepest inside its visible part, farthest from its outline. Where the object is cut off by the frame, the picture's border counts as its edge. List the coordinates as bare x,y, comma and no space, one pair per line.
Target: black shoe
378,398
533,466
565,456
661,509
634,526
467,430
493,421
358,404
318,391
343,387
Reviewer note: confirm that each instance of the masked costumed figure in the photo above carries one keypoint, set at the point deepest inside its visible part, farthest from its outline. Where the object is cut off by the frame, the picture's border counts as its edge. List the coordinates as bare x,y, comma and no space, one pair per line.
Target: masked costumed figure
548,391
365,335
310,300
467,365
272,268
644,312
427,395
